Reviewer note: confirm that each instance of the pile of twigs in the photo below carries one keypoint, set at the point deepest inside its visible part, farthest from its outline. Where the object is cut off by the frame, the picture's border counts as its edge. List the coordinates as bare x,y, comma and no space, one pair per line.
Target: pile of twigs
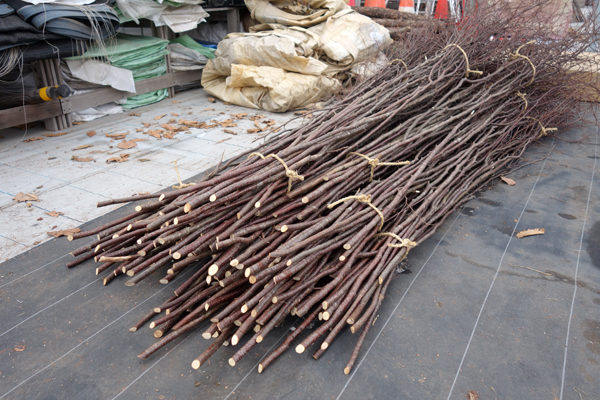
314,223
399,23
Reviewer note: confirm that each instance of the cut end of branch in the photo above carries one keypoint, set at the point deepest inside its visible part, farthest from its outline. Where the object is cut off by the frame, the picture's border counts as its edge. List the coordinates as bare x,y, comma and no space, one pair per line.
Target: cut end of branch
324,346
326,315
324,305
257,204
132,329
284,228
158,333
196,364
252,279
129,283
347,370
347,246
259,339
138,208
244,309
300,349
212,198
260,368
274,300
187,208
234,340
234,262
70,238
305,200
232,362
177,255
206,335
152,325
130,273
163,281
247,272
157,310
213,269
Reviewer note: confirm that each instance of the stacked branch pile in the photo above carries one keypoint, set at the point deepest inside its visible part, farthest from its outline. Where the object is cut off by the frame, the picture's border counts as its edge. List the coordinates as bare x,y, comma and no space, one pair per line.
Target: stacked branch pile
314,223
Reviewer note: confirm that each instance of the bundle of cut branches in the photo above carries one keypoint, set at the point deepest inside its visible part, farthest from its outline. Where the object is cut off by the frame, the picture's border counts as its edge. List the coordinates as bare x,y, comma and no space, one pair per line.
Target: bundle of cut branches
314,223
399,23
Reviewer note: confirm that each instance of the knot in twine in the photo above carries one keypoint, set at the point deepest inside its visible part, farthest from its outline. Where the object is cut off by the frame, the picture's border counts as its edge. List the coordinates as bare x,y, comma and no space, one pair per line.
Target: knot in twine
522,96
543,129
181,184
361,198
517,55
290,173
400,61
403,242
469,70
375,162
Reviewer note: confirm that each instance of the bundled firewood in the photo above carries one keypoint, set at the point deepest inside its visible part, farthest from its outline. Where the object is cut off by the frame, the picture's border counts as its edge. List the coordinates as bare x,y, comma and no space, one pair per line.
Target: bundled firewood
314,223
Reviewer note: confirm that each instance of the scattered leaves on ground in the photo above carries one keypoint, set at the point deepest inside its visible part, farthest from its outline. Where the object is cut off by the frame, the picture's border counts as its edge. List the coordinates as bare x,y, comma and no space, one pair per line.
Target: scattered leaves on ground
239,116
23,197
33,139
64,232
155,133
83,146
121,158
531,232
55,134
91,133
508,181
82,159
54,213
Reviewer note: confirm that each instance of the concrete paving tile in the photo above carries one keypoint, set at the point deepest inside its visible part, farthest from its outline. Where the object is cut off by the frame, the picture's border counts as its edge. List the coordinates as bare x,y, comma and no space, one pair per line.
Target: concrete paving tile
9,249
112,185
76,203
14,180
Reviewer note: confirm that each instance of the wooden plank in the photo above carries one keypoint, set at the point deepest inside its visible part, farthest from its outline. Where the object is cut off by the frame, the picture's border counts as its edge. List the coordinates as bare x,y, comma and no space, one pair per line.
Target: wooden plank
35,112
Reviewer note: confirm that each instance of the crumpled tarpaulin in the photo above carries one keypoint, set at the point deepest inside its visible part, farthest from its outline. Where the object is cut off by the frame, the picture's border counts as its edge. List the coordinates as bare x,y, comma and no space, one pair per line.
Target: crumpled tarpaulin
279,67
179,16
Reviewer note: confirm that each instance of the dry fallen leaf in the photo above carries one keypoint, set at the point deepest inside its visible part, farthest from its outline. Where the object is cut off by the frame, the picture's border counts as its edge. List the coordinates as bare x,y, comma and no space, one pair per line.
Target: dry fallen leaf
19,347
146,124
531,232
55,134
91,133
127,144
116,136
223,140
134,114
155,133
22,197
64,232
230,131
472,395
83,146
159,117
122,158
175,114
253,130
82,159
175,101
239,116
54,213
34,139
212,99
143,159
508,181
207,109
